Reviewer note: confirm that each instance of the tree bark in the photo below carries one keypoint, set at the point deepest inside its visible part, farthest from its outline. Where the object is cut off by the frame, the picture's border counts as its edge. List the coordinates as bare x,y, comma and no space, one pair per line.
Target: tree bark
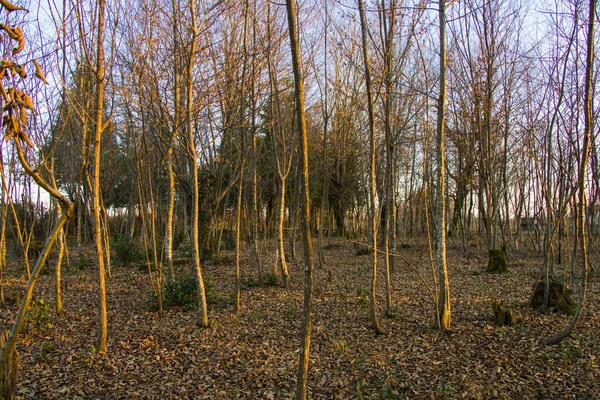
443,303
301,390
202,315
372,184
99,127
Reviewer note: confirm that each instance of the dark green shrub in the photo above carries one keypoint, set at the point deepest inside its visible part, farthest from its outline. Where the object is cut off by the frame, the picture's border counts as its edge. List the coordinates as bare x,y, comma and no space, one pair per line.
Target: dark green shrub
270,280
181,293
126,250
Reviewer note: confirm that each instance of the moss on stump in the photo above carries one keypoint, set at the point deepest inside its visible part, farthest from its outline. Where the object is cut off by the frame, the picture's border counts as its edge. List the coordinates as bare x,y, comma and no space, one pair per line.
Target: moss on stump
505,315
559,298
497,263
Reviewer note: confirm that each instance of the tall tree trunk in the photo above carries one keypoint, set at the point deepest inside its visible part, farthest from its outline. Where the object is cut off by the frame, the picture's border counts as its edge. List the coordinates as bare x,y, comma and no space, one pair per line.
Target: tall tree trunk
174,133
581,180
304,205
238,223
202,315
3,215
443,303
372,183
99,127
255,213
241,124
390,190
280,241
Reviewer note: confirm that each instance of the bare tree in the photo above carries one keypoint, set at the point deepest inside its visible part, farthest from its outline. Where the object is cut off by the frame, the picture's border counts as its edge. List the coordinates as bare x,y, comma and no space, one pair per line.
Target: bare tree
372,184
304,204
442,313
98,69
202,317
581,220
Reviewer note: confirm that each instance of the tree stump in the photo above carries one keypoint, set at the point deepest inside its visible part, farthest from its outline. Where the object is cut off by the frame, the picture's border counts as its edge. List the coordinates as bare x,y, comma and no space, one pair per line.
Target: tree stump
8,376
505,315
560,298
361,250
497,263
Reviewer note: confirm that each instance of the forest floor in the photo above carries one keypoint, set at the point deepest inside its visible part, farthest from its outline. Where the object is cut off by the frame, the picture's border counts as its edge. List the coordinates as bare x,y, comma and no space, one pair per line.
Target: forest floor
254,354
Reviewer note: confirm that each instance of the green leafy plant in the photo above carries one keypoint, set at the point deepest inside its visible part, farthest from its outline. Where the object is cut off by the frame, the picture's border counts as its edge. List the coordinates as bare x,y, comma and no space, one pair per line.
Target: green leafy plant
181,292
41,356
443,389
391,313
270,280
251,282
178,292
362,294
340,346
126,250
359,368
38,318
82,263
571,352
290,310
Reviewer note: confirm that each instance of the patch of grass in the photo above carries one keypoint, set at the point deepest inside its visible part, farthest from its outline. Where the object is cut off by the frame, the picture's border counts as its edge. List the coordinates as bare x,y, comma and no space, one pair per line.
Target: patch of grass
181,293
